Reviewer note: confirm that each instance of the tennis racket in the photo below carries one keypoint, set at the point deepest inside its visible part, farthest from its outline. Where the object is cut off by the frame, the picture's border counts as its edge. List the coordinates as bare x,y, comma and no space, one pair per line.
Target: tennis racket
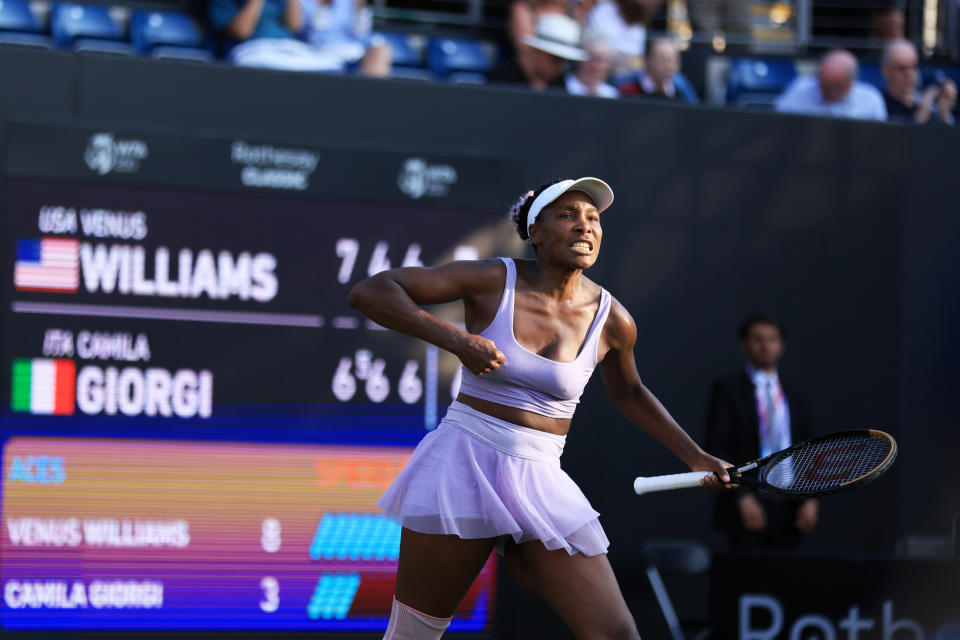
817,467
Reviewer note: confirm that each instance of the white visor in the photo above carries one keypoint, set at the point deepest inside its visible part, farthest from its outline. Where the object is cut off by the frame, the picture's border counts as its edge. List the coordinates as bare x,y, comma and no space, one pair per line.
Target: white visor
598,190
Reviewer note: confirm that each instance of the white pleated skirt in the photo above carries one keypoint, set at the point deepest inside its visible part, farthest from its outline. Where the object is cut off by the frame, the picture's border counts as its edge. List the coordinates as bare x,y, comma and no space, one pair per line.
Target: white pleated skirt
475,476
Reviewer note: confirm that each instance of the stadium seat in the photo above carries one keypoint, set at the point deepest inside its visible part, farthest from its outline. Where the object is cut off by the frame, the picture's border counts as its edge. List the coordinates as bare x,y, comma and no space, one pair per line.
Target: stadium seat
86,28
446,56
871,74
170,30
407,49
756,83
15,15
19,25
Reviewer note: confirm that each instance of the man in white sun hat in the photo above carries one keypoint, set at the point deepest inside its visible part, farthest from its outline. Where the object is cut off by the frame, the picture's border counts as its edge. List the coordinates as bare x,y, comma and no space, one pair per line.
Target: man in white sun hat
489,476
542,58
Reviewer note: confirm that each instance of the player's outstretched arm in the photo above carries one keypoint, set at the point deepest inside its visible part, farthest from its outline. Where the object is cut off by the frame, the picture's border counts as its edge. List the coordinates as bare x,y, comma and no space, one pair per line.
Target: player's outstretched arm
639,405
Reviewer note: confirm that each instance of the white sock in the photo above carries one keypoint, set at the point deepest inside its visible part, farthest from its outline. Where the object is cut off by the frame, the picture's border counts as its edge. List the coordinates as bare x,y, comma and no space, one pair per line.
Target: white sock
406,623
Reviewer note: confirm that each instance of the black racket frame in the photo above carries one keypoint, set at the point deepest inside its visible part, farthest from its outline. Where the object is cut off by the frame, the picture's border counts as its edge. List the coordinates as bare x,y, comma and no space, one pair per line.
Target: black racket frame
737,477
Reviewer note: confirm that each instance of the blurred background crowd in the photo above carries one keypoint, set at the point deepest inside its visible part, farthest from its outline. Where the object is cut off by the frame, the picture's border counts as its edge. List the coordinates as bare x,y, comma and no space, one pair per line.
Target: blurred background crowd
893,60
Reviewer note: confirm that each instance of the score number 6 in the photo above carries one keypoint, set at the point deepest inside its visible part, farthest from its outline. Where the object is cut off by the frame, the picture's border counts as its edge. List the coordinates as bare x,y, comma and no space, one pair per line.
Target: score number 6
377,386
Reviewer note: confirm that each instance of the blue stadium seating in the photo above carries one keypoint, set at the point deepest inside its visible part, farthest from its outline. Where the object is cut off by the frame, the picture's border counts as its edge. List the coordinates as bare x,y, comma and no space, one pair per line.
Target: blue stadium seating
755,83
15,15
871,74
86,28
19,25
407,55
461,56
403,46
169,30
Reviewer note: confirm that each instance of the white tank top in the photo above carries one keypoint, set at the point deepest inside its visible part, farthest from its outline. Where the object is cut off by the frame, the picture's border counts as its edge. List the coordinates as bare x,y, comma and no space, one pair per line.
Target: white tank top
529,381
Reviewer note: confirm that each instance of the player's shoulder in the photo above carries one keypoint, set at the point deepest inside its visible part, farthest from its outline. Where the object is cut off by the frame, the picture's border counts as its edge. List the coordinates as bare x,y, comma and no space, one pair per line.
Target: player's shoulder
620,326
476,275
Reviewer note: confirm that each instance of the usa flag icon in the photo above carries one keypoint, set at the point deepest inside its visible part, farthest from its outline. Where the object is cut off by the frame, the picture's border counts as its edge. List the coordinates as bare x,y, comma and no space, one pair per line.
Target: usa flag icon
47,264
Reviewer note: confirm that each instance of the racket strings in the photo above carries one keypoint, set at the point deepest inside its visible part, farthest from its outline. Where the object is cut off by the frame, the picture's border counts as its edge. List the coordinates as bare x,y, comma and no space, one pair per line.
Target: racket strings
828,463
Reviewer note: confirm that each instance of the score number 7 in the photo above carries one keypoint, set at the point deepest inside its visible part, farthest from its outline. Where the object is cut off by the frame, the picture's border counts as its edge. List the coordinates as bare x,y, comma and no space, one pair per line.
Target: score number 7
348,248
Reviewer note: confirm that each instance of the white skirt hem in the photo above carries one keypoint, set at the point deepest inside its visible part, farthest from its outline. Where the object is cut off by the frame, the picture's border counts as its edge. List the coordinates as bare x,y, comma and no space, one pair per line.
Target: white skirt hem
457,483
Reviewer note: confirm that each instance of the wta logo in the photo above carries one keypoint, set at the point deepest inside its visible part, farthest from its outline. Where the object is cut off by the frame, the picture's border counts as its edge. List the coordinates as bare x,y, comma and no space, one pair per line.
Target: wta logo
105,153
53,386
61,265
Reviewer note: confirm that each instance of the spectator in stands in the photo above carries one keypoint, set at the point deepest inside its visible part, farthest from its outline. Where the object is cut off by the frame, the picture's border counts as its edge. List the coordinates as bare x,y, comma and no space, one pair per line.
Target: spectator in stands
661,79
341,28
260,33
751,414
904,103
543,57
835,91
624,24
523,15
590,78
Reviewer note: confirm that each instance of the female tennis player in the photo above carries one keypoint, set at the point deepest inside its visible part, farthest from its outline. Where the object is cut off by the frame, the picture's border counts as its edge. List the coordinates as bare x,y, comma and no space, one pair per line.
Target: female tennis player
489,476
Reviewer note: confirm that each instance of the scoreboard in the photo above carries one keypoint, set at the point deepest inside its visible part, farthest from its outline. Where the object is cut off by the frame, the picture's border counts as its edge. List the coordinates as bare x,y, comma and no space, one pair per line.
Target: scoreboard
197,424
130,534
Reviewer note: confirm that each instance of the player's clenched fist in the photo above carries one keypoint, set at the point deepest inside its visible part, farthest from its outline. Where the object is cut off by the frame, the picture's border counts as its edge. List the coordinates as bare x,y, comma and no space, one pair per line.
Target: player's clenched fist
480,355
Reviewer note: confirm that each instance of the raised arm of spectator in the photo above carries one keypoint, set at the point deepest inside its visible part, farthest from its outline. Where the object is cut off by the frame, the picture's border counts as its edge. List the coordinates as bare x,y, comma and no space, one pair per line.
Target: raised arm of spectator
238,24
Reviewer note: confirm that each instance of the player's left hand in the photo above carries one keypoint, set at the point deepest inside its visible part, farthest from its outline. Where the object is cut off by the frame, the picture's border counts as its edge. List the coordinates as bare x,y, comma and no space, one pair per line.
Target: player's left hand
719,468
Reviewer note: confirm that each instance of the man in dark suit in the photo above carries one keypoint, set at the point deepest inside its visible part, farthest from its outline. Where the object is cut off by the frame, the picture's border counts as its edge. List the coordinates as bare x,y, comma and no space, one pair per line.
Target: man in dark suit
752,414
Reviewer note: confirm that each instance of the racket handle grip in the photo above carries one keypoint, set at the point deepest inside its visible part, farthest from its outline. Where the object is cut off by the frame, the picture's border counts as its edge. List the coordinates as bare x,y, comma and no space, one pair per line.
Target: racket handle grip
673,481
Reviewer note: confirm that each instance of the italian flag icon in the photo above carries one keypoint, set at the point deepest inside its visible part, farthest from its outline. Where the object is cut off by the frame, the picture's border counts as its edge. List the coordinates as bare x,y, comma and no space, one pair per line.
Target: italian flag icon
43,386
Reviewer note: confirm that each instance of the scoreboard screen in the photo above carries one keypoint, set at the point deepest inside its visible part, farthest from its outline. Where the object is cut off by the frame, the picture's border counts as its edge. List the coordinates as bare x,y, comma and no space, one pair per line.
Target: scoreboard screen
197,424
136,534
